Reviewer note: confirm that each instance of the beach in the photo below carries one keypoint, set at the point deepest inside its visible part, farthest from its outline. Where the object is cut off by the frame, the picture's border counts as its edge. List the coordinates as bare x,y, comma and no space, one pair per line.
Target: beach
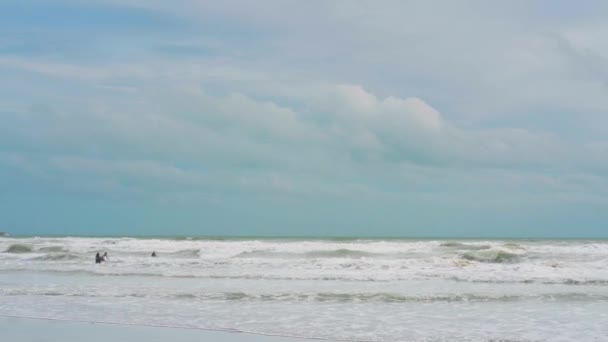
37,330
333,289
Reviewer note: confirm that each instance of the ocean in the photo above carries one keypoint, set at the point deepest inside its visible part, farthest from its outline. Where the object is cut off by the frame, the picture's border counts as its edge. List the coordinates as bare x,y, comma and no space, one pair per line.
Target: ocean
336,289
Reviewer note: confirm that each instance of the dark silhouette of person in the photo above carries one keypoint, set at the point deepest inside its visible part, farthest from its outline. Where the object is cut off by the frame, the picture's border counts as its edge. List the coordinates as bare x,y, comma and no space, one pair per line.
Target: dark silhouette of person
104,257
153,254
98,258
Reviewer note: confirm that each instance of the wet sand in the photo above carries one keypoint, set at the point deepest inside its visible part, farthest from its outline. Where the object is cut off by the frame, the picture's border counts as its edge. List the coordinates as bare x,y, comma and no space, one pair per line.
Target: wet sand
37,330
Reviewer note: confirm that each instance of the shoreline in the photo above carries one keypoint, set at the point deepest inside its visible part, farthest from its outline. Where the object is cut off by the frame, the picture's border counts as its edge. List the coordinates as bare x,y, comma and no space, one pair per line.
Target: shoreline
22,328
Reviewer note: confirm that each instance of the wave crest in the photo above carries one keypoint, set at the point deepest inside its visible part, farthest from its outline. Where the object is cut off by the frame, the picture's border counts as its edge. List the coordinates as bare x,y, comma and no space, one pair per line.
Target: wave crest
340,253
53,249
463,246
493,255
336,253
19,248
188,253
57,257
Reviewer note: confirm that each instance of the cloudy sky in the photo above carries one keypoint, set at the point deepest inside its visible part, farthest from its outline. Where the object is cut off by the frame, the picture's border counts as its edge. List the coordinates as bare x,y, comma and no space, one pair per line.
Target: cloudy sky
281,117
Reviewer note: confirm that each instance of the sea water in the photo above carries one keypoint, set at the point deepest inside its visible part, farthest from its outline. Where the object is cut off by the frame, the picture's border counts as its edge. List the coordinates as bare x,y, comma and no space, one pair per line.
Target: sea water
354,290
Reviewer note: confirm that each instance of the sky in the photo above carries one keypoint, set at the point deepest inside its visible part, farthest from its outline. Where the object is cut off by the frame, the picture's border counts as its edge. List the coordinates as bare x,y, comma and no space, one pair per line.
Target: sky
304,118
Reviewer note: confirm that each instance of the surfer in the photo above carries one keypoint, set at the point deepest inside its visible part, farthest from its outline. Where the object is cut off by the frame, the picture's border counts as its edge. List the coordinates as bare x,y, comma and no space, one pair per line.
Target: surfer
153,254
98,258
104,257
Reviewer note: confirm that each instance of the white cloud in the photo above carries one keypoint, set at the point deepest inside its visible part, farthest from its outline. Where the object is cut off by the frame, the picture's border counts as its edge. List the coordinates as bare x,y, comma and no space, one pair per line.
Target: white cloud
320,88
296,144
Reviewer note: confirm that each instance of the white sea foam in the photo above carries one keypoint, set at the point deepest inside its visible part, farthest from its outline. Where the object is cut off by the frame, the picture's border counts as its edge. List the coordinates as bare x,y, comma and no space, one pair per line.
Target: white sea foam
340,289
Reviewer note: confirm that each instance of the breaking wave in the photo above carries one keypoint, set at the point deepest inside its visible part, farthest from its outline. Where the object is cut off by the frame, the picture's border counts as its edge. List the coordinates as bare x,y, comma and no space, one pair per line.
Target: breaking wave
463,246
323,260
341,253
325,297
57,257
53,249
492,290
493,255
337,253
19,248
187,253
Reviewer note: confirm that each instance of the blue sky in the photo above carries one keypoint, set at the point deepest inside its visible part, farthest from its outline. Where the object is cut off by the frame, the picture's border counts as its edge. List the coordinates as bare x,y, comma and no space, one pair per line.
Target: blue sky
367,118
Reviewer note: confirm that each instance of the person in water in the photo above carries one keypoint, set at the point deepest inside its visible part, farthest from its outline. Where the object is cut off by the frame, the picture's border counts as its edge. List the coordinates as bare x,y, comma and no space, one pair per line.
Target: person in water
104,257
153,254
97,258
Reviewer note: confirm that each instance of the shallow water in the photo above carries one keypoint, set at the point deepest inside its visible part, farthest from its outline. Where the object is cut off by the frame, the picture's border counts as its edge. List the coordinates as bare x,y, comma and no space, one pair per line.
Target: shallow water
368,290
